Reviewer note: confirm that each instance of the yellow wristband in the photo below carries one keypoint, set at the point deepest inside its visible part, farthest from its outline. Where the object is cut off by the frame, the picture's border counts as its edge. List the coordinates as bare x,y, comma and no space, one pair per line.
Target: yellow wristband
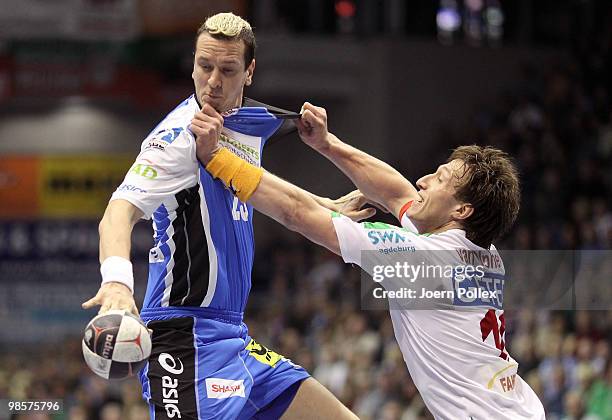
224,165
236,173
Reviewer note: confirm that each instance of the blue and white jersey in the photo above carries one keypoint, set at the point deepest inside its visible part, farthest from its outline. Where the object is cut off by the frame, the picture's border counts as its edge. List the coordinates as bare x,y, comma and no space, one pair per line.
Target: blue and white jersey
203,235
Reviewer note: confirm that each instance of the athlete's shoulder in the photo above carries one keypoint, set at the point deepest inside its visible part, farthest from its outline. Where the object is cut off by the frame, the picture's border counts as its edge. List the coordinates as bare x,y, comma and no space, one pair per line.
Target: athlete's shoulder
459,238
173,130
182,114
454,239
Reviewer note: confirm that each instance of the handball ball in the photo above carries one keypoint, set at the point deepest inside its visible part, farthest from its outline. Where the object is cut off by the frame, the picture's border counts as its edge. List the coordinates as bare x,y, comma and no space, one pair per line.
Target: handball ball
116,344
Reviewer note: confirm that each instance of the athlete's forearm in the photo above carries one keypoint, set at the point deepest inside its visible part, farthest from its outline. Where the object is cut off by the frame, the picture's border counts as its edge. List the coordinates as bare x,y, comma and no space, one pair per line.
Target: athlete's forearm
117,279
116,229
276,199
377,180
296,209
289,205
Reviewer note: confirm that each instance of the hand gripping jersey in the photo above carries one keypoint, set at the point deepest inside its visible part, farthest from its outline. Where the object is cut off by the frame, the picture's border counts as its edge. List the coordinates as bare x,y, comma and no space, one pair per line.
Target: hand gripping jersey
456,357
203,234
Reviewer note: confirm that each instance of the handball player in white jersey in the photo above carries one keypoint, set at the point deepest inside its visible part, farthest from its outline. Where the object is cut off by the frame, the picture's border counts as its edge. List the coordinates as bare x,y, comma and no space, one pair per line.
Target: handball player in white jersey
457,358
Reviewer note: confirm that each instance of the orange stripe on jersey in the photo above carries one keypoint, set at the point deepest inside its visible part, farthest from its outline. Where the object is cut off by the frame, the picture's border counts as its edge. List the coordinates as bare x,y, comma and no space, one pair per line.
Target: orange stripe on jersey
404,209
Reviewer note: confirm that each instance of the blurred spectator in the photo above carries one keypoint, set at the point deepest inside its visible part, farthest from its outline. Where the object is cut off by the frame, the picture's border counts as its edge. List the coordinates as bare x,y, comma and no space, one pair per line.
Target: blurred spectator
599,396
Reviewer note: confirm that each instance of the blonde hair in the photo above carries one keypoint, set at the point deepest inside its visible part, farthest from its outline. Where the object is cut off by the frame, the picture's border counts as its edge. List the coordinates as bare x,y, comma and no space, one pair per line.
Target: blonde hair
227,24
230,27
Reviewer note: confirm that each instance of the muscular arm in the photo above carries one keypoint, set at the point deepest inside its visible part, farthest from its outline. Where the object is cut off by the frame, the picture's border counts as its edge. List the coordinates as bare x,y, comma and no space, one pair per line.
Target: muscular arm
116,229
115,240
157,175
296,209
377,180
288,204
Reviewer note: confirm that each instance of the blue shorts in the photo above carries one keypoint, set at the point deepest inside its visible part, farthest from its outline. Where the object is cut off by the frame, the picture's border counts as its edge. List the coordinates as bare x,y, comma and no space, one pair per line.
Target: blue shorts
204,365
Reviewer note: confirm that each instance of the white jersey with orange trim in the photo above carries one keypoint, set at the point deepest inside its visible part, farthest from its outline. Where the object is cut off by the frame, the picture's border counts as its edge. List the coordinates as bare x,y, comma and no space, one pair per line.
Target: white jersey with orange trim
456,357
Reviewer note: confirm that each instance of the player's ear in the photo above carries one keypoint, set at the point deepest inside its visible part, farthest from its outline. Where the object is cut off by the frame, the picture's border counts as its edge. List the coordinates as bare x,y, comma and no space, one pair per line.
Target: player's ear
250,70
463,211
193,71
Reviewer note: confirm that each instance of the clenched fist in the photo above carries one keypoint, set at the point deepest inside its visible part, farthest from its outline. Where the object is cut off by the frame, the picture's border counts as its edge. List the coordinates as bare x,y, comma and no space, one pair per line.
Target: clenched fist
206,125
312,127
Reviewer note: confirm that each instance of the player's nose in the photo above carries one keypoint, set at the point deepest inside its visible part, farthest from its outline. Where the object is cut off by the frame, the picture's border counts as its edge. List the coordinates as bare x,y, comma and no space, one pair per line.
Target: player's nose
214,81
422,183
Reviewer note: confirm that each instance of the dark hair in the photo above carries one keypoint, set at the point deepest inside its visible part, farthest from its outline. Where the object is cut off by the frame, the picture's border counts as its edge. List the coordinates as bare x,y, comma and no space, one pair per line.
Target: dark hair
245,33
490,183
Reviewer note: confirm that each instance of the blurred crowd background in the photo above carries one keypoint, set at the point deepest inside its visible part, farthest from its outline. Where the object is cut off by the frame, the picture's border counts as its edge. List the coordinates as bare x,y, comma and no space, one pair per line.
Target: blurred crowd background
78,95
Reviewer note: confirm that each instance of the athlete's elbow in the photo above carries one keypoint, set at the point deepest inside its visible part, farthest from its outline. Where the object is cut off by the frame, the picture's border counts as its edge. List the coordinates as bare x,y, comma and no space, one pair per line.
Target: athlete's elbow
104,224
119,215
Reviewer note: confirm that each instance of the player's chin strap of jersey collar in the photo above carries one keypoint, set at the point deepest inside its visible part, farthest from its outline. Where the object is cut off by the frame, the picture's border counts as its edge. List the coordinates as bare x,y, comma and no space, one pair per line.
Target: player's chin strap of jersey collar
236,173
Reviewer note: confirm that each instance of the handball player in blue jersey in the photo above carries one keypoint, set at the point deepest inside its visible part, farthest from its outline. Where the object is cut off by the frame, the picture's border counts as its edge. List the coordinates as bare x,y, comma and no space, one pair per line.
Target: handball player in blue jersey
204,364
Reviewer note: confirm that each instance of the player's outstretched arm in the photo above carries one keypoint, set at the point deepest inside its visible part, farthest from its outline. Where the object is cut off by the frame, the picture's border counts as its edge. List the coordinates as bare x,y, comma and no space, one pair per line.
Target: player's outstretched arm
377,180
116,229
350,205
289,205
115,241
207,125
295,209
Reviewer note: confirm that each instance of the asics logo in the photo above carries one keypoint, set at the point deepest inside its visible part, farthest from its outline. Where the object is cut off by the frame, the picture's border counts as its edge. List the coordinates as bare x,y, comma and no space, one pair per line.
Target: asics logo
164,360
170,385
